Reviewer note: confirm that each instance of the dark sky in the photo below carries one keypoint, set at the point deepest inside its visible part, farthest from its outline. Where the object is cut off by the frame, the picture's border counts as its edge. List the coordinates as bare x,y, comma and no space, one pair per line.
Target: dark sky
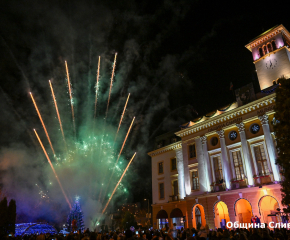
173,57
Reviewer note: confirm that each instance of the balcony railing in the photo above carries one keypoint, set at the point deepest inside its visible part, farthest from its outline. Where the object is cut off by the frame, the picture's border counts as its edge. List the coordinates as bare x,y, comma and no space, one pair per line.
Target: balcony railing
263,179
173,198
239,183
218,186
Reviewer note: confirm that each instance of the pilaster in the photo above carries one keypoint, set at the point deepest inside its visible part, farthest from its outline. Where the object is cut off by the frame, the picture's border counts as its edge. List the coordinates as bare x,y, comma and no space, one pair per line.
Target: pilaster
225,159
246,153
202,170
180,170
206,160
187,184
270,146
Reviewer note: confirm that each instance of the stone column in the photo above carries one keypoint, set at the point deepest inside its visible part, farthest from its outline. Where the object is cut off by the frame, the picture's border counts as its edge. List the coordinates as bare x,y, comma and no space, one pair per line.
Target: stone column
206,160
187,184
246,153
202,171
225,160
270,146
180,170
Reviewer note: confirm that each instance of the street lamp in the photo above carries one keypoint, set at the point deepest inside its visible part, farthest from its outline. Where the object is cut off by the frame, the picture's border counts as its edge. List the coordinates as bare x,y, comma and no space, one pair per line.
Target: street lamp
147,209
148,206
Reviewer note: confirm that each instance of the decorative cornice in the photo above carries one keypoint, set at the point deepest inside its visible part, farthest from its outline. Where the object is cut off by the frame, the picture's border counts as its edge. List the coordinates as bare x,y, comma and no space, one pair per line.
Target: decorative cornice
203,140
167,148
265,101
264,119
267,35
221,133
241,127
192,165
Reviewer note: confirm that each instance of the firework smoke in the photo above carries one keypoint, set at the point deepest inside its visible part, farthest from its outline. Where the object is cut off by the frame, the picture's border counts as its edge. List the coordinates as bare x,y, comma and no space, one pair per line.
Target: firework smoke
49,34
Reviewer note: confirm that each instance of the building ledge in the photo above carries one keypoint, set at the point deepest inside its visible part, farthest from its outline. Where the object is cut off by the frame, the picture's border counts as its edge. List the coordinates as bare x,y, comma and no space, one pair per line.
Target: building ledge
233,114
172,146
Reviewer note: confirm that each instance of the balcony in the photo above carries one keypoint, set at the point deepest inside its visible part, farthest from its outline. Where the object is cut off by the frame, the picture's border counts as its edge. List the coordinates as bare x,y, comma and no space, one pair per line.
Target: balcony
262,179
218,186
239,183
173,198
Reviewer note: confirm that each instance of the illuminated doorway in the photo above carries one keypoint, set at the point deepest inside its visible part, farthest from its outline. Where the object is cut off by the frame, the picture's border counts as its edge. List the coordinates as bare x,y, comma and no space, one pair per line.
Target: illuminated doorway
221,214
162,219
268,208
198,216
177,217
243,211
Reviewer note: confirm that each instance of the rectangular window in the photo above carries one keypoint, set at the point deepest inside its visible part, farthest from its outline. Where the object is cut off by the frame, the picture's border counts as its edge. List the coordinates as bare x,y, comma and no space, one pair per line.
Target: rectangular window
160,167
175,188
195,184
261,159
161,190
173,164
192,152
238,165
218,172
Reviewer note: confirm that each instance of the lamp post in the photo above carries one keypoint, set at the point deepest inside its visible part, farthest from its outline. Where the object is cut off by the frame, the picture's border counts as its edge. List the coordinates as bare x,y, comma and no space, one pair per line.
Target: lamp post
148,208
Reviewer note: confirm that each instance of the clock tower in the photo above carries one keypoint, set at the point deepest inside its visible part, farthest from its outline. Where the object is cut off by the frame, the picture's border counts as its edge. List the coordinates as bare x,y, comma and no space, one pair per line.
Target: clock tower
271,55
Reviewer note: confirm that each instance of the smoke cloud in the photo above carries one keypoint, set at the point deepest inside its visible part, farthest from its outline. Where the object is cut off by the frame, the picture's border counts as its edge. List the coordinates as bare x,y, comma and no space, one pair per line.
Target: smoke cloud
37,38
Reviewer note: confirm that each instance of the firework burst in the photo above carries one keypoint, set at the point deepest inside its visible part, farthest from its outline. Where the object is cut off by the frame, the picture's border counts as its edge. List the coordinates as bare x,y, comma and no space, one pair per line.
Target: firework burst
89,160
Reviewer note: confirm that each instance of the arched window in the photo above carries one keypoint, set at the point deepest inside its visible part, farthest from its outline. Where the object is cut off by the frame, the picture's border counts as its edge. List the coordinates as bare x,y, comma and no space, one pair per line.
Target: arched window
269,46
197,215
265,49
274,45
261,52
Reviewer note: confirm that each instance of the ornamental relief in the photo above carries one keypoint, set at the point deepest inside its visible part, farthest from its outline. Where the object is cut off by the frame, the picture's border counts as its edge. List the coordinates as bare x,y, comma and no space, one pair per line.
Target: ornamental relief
233,118
241,127
264,119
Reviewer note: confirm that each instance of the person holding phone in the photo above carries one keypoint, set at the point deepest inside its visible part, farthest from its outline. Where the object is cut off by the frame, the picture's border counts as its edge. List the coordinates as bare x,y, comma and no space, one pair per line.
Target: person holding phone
191,235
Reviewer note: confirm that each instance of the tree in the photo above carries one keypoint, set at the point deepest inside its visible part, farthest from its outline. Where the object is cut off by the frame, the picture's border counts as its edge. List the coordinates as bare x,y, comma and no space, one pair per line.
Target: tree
128,220
282,133
4,217
11,219
76,215
7,217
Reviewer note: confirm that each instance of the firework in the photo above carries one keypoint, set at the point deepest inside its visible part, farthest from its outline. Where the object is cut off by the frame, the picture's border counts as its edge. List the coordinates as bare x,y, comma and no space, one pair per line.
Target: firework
99,148
43,125
57,112
118,184
97,86
122,116
48,159
125,139
70,97
120,153
112,77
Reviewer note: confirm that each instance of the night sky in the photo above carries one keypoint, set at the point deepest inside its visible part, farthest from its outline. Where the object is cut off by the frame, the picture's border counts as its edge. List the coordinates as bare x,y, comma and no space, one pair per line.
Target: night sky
176,58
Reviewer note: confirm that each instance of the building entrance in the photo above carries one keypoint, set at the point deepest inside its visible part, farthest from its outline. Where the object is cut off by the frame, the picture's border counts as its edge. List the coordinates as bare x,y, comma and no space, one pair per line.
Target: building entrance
243,210
198,216
221,214
268,208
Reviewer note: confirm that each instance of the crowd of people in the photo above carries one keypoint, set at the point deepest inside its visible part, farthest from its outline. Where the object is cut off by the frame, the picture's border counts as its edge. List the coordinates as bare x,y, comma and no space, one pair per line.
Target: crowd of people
204,233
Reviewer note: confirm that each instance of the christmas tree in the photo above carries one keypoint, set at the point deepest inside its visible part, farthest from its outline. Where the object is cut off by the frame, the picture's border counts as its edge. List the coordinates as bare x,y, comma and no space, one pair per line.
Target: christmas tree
75,220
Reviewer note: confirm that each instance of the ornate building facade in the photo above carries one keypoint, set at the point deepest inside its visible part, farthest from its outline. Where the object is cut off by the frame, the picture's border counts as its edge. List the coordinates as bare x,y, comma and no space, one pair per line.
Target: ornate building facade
223,168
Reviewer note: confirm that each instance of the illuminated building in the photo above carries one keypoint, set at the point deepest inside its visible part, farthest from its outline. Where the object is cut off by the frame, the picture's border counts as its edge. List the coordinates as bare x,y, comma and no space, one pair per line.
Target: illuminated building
221,167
